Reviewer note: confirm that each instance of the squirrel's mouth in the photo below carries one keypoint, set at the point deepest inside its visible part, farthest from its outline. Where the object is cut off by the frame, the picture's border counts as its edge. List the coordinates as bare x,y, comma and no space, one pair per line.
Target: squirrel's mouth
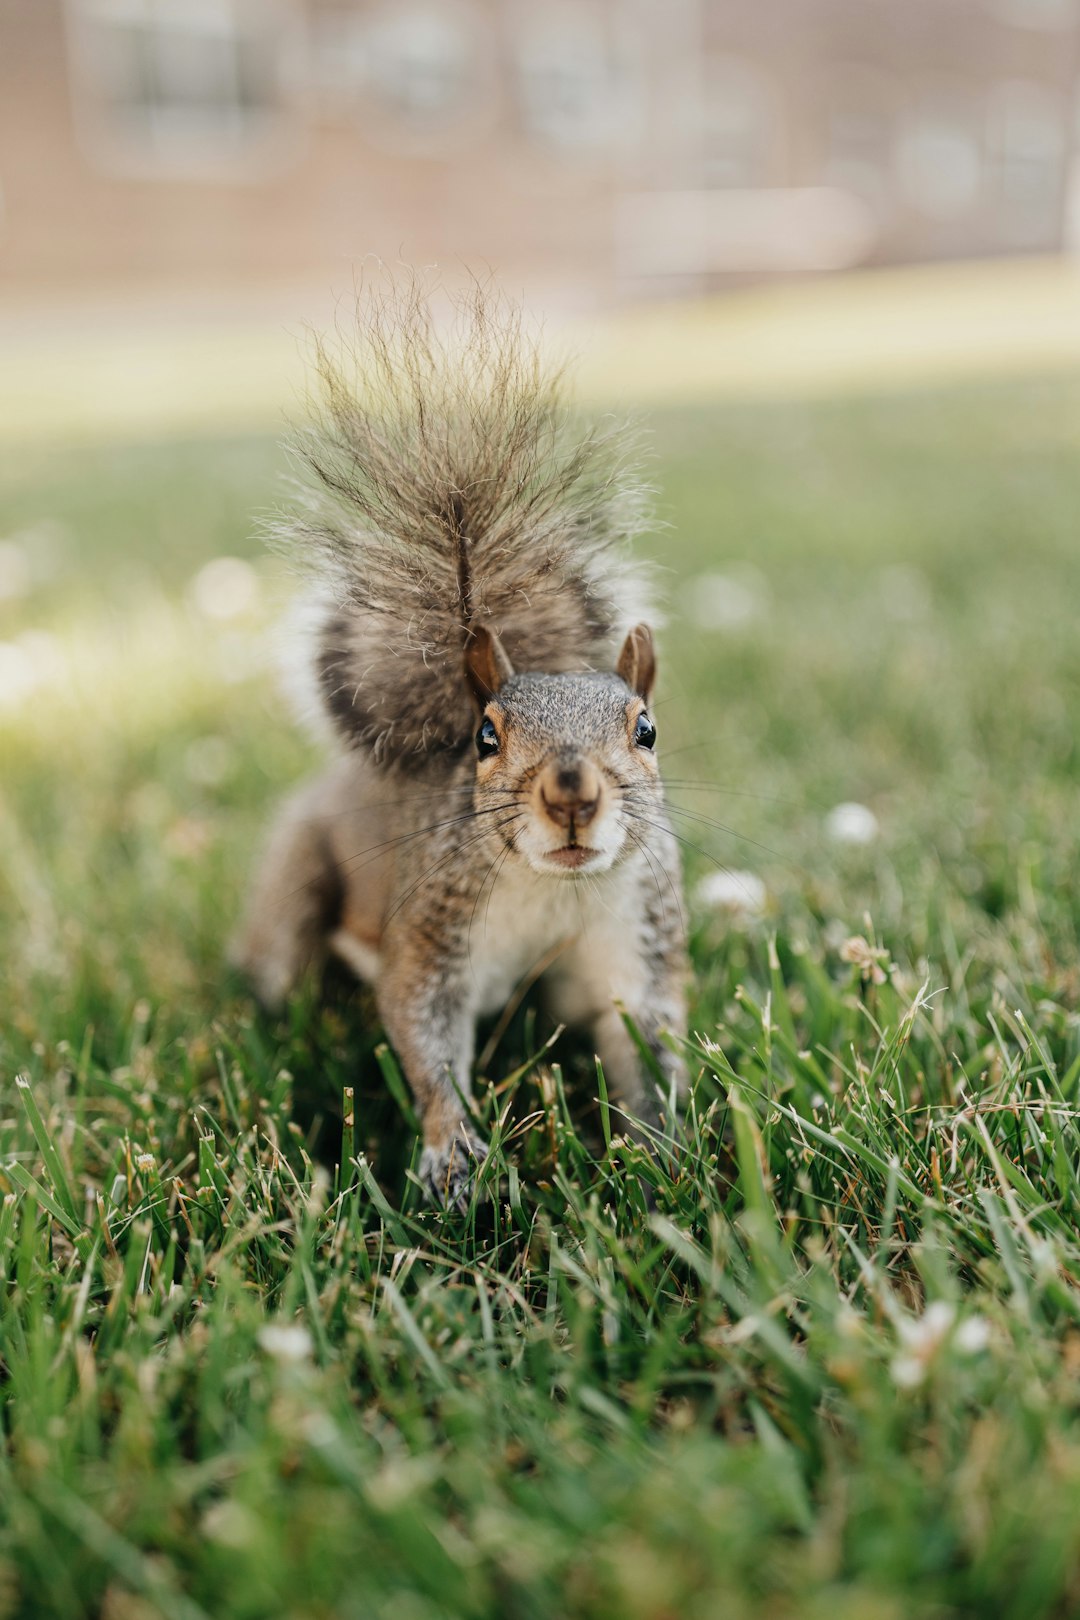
571,855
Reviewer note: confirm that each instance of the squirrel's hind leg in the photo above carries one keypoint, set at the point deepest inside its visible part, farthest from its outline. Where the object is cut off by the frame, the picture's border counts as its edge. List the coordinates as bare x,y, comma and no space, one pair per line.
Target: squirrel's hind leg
359,954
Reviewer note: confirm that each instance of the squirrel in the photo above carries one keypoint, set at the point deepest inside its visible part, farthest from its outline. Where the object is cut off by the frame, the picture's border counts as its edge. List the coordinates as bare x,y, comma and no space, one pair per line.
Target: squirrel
474,641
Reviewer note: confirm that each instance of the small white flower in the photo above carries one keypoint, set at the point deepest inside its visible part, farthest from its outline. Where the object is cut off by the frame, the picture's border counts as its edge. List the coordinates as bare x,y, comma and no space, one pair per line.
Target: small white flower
939,1317
740,894
907,1372
924,1334
144,1161
286,1341
227,588
972,1335
851,823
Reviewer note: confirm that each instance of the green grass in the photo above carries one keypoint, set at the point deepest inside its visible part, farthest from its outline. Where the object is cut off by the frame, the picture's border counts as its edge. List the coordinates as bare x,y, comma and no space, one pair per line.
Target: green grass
832,1367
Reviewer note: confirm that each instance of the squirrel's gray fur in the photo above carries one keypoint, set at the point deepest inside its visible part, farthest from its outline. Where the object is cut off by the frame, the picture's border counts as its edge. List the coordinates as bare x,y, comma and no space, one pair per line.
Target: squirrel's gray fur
470,544
449,485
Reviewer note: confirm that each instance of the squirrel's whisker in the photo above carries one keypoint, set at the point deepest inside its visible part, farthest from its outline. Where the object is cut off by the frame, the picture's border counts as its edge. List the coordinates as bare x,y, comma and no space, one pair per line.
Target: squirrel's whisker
733,832
354,862
443,860
498,873
659,825
348,861
719,826
496,860
739,793
382,804
643,846
474,639
692,748
429,872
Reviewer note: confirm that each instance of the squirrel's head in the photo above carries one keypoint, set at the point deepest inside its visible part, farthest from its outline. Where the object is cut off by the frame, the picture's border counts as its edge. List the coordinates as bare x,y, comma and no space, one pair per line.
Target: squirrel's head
566,767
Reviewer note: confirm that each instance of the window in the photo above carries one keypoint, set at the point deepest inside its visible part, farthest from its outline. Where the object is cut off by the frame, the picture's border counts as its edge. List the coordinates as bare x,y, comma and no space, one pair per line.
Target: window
576,82
939,157
191,87
336,60
430,82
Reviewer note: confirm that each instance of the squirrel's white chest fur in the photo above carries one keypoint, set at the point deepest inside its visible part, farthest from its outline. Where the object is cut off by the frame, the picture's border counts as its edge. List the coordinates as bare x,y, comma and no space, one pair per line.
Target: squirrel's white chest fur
575,931
578,935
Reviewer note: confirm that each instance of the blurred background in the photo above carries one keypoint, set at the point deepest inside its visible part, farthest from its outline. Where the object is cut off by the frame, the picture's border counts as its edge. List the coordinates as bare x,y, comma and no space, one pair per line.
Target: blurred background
592,150
826,247
827,251
217,172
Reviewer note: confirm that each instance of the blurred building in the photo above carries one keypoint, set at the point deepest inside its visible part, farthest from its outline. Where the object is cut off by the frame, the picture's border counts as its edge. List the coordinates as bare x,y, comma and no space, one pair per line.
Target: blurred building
596,145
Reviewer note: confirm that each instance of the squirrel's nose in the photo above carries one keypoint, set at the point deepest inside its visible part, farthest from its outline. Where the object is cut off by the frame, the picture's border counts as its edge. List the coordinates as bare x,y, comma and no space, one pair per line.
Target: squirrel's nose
570,792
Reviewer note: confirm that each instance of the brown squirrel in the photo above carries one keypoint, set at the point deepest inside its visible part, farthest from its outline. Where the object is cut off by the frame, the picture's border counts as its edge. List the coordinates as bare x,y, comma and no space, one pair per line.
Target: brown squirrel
499,805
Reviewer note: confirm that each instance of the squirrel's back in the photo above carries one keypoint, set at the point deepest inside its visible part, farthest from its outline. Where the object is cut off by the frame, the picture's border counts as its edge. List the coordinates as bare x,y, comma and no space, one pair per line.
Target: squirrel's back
449,487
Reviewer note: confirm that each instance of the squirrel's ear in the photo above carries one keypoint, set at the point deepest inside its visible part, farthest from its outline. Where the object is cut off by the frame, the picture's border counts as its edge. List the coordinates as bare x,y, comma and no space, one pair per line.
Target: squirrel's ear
486,664
637,661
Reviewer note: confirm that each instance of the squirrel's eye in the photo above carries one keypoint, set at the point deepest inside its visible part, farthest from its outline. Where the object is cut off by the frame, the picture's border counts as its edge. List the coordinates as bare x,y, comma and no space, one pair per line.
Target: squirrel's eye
644,732
487,739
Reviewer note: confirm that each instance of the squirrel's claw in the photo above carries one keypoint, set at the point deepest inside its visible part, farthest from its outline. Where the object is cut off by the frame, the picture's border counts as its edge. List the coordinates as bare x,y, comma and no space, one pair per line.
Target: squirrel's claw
447,1173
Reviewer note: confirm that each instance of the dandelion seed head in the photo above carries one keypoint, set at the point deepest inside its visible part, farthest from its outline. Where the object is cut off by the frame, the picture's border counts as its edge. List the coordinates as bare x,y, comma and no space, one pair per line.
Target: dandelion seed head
923,1335
851,823
286,1341
907,1372
740,894
972,1336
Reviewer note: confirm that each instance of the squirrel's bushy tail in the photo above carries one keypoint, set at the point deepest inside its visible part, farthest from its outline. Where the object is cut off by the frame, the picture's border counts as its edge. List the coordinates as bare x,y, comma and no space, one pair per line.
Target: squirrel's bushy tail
452,489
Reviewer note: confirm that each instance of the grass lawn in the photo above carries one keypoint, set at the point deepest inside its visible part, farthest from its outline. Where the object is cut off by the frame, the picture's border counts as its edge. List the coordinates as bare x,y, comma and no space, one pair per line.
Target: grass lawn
835,1370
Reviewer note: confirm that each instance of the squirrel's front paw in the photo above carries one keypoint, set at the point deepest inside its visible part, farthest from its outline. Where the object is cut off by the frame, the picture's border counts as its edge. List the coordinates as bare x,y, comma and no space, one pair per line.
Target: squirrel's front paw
447,1172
